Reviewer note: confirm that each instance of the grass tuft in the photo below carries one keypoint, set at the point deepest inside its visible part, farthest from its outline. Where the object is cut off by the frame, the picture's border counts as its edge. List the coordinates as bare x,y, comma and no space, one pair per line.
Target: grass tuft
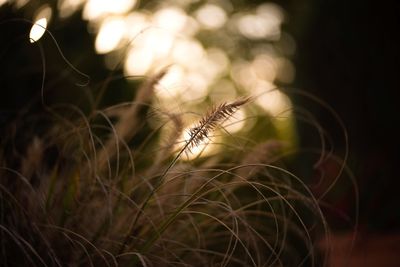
83,185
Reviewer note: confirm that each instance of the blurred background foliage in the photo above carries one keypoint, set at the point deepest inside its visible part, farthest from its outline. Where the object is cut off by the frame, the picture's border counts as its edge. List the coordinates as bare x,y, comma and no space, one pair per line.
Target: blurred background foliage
344,52
214,51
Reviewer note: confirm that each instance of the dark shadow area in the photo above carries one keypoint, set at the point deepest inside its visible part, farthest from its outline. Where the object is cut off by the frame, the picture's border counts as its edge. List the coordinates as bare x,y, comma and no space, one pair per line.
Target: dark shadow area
348,54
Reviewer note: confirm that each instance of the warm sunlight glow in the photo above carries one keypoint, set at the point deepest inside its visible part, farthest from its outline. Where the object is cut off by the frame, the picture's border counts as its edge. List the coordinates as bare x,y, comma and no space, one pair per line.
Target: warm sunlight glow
158,41
187,52
37,30
242,73
170,86
2,2
197,86
272,100
216,63
172,19
264,24
136,24
211,16
110,34
95,9
271,12
264,67
198,41
44,12
68,7
191,27
206,148
236,122
138,61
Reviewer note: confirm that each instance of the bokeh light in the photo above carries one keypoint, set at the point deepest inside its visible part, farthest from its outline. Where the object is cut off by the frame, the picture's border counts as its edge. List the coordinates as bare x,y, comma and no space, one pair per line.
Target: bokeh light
205,148
110,34
96,9
211,16
37,30
43,12
138,61
264,23
171,19
236,122
68,7
205,46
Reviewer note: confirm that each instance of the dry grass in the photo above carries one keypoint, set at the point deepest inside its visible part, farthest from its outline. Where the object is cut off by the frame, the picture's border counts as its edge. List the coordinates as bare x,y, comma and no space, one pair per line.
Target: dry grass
74,196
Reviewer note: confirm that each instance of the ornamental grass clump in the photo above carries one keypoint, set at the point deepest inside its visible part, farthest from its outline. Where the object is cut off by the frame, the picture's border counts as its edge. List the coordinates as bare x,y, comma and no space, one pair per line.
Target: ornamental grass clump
88,185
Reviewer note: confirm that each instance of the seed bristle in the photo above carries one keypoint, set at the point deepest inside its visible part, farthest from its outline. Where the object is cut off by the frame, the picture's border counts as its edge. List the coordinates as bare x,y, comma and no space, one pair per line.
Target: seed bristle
209,122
